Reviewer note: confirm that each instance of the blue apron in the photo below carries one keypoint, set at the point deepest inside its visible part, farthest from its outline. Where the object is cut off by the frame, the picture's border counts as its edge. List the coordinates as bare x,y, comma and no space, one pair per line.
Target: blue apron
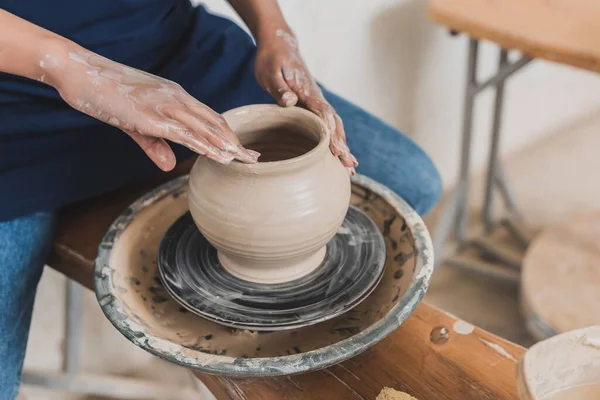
52,155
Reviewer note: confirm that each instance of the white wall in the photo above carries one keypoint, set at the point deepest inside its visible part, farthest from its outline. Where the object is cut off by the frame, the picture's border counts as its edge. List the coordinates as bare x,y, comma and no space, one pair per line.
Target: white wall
388,58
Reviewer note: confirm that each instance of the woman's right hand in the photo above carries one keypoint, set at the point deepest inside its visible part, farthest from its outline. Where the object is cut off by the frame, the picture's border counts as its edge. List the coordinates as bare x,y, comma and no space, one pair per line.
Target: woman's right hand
148,108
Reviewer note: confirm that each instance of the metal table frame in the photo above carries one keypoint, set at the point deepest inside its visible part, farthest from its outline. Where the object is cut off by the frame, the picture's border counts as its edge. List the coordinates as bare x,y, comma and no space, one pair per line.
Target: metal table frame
454,216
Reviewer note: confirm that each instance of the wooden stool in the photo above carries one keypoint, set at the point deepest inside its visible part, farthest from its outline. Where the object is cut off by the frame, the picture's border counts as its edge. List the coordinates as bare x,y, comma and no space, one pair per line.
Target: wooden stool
431,356
563,31
560,289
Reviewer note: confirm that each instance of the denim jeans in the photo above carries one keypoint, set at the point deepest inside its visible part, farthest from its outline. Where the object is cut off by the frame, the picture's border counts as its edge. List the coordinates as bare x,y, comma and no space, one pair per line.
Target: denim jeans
384,154
24,245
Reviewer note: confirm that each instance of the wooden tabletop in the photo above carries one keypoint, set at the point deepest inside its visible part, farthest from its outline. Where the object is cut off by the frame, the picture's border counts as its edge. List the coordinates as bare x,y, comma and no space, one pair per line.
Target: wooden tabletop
431,356
564,31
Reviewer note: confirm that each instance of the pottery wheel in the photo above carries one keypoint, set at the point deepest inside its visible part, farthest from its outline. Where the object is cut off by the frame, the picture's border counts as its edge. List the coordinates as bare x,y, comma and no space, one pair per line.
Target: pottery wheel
190,271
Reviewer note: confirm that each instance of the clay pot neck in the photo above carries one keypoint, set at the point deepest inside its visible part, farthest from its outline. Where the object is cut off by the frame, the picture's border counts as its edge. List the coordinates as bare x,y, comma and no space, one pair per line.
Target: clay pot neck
288,141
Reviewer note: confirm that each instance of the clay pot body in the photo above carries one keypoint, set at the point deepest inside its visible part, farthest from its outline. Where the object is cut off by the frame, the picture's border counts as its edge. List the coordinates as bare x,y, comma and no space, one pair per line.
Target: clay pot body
270,221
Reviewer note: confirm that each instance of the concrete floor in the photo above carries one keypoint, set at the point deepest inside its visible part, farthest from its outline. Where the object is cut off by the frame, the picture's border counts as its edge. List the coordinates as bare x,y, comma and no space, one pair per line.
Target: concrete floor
553,179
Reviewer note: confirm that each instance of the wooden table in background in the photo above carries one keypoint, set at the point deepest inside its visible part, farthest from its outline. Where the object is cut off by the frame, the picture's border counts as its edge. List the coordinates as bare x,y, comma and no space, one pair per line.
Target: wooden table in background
425,357
562,31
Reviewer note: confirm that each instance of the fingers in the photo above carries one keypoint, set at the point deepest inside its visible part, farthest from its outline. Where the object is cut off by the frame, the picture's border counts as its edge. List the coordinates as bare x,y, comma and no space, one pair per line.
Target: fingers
214,118
276,85
334,124
180,134
299,81
339,137
205,133
311,95
214,130
156,149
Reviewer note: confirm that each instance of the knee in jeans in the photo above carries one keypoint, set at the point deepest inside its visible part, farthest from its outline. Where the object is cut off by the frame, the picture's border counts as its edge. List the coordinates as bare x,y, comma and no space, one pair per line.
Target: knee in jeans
429,190
431,194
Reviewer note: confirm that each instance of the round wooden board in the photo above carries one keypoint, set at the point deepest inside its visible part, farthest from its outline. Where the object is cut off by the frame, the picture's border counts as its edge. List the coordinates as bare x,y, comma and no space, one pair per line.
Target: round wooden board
560,288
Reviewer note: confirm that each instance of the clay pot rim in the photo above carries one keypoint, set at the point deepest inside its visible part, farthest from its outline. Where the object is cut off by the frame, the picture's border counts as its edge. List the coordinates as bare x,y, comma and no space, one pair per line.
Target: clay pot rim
257,111
262,366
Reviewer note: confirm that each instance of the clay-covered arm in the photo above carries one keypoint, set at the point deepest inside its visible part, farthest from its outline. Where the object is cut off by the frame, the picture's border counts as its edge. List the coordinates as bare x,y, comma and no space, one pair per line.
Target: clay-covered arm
263,17
282,72
148,108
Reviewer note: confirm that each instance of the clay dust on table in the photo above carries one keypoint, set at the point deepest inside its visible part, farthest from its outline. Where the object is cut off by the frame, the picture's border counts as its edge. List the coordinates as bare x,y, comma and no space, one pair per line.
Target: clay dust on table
392,394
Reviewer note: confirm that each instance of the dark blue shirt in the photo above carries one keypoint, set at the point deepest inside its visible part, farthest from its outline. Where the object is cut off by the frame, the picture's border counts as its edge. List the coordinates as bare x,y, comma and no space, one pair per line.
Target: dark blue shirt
52,155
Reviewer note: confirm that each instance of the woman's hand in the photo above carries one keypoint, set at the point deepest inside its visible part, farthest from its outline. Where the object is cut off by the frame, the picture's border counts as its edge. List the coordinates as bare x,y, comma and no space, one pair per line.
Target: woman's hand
148,108
281,71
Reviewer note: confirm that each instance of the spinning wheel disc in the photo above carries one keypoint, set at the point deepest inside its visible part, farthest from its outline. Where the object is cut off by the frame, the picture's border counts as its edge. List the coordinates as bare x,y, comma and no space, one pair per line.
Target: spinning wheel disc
190,271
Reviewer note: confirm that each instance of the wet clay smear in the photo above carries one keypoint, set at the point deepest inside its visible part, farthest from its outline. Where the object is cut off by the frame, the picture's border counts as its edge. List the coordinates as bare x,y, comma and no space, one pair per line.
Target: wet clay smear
391,394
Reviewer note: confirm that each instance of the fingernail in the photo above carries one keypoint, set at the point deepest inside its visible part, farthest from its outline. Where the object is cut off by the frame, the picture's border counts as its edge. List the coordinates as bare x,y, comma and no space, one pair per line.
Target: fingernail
246,156
351,171
289,99
252,153
167,157
354,160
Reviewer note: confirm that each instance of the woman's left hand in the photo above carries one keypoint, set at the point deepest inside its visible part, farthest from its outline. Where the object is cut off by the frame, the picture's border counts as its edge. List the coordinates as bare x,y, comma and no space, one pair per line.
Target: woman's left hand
281,71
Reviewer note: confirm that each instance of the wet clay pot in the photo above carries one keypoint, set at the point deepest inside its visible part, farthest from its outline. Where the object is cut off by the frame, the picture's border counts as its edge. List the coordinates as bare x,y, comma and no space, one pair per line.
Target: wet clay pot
270,221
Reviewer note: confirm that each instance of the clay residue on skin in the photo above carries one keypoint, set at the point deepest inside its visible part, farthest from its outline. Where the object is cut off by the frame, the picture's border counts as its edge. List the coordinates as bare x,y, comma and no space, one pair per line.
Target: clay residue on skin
392,394
287,37
146,107
49,61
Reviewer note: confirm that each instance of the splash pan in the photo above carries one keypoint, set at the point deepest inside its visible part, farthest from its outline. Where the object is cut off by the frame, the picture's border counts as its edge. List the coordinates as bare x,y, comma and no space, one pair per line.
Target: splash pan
133,298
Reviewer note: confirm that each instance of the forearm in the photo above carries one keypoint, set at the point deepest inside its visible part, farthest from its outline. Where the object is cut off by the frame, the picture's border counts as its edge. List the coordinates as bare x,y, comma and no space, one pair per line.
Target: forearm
25,48
263,17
